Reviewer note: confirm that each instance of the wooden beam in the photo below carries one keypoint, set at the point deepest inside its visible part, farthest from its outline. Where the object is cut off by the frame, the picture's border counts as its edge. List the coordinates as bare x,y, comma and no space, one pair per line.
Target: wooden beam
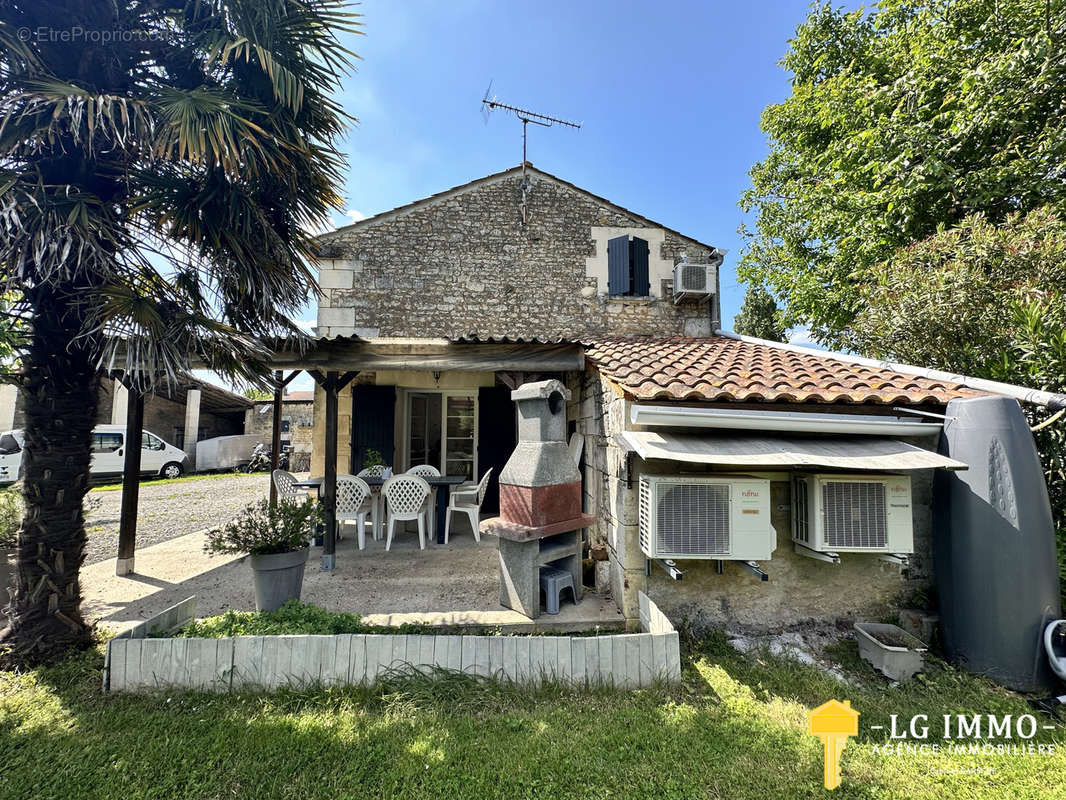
288,380
329,482
275,434
347,378
131,482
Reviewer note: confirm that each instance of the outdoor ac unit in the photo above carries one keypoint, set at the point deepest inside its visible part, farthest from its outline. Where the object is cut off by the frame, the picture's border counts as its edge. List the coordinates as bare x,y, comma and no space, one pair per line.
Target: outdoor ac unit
694,280
684,516
853,513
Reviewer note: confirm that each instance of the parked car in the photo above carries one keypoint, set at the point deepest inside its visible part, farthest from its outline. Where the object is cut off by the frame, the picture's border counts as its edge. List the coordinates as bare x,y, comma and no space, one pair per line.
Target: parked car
109,450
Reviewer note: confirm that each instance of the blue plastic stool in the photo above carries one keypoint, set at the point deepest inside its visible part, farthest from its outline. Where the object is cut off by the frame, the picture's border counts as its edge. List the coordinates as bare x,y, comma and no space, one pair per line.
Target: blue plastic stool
552,583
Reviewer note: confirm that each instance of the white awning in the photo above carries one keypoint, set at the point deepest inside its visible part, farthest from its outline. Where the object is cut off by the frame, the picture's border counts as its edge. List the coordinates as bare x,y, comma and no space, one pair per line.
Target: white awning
838,452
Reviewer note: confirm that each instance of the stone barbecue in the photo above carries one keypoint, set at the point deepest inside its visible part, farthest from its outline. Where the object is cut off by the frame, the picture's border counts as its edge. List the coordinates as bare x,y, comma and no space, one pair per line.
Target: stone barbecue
540,518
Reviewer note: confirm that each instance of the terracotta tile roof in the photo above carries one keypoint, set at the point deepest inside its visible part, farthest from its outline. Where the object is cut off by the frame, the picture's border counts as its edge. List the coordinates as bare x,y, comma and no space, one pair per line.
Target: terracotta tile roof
717,368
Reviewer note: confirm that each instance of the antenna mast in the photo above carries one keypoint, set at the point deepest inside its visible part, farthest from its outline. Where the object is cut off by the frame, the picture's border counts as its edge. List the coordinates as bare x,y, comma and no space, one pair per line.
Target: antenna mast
488,105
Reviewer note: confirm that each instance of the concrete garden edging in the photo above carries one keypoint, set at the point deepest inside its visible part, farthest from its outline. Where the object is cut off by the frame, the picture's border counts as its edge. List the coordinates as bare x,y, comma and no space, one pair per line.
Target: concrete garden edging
629,660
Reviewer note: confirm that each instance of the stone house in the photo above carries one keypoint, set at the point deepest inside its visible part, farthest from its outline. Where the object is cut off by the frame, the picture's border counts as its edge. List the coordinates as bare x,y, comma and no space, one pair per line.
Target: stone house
445,305
297,421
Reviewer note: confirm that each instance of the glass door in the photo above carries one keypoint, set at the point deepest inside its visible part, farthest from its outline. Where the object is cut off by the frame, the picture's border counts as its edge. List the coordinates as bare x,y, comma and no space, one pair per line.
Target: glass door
424,427
442,431
460,425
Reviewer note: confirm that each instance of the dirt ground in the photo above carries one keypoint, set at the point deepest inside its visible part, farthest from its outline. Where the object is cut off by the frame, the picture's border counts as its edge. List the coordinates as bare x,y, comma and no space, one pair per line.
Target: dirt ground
169,510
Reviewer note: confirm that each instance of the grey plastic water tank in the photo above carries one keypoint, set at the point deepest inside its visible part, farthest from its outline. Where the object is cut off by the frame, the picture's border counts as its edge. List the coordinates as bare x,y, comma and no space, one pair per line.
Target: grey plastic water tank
994,545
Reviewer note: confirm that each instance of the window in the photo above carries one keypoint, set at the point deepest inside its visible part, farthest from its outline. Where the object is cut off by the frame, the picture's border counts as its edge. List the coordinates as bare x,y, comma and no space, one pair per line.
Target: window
106,442
150,441
627,267
286,426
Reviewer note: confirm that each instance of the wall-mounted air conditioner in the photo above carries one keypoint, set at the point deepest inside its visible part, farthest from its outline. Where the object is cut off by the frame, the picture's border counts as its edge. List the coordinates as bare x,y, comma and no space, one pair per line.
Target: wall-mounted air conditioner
853,513
694,281
685,516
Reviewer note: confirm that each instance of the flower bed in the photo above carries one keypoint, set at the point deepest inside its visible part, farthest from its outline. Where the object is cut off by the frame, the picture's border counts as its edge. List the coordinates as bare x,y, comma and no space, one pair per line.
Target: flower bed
271,661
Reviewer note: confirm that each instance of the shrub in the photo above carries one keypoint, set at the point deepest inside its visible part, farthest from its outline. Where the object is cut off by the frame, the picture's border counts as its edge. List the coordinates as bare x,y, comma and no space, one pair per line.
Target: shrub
292,618
261,529
10,517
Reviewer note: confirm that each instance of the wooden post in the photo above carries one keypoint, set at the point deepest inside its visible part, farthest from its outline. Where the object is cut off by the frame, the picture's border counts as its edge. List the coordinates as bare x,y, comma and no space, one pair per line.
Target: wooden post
329,484
131,477
331,382
275,436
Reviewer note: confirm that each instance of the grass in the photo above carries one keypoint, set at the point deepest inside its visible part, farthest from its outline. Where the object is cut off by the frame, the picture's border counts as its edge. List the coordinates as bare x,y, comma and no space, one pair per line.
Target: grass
303,618
736,728
207,476
292,618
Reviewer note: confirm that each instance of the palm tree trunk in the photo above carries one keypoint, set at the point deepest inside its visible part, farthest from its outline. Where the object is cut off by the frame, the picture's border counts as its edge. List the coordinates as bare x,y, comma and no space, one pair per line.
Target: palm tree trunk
59,389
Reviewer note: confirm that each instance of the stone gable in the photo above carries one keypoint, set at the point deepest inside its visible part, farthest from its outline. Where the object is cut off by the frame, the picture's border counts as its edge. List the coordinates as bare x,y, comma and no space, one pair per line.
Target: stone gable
465,264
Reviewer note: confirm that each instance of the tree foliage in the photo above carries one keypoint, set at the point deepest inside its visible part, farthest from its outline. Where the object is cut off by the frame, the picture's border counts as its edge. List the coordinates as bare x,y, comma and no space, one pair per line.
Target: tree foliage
980,299
902,121
759,316
157,186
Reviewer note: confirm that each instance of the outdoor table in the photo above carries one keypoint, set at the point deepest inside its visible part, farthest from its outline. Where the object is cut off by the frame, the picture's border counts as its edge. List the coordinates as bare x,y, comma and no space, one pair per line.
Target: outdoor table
443,483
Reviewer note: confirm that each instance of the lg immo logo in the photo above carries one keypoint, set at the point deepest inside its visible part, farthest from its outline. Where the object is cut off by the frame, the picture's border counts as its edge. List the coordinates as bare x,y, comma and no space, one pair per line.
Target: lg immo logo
833,722
972,734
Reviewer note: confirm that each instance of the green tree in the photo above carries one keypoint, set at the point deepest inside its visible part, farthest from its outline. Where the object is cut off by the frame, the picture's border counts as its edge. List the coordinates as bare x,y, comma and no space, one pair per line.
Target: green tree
901,121
759,316
986,300
156,183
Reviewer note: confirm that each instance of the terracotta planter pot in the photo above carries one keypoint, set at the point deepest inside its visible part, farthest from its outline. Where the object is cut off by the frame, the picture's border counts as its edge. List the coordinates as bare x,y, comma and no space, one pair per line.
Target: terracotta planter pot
279,577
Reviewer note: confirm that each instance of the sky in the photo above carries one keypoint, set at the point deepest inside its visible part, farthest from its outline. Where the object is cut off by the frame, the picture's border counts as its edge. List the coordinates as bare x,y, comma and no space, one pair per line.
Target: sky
669,95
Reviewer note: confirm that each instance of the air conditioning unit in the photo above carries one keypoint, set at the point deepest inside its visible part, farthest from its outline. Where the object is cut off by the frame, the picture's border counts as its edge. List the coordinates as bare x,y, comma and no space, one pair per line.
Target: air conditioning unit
853,513
693,516
695,281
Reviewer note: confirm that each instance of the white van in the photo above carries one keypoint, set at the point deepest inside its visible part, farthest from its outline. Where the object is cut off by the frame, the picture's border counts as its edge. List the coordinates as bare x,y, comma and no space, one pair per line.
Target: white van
109,450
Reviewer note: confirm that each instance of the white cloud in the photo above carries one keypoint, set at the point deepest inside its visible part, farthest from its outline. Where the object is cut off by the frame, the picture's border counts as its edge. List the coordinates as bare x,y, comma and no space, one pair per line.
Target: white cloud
355,214
802,337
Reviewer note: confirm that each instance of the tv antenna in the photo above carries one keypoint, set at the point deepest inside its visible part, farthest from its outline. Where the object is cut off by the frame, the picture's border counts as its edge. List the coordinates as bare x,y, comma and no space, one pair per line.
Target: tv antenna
490,104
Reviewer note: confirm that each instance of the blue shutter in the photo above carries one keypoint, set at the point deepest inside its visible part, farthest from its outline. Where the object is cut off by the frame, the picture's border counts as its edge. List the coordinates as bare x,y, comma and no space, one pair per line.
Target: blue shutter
373,409
618,266
638,254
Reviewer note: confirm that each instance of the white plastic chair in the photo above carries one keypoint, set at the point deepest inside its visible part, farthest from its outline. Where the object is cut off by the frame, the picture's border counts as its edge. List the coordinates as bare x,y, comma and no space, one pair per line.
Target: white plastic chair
283,482
353,504
375,471
429,471
406,496
468,502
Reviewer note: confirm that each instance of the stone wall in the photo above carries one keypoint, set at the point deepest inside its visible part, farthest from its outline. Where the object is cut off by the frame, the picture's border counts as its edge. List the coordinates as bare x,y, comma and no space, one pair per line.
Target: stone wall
799,589
466,264
161,416
301,417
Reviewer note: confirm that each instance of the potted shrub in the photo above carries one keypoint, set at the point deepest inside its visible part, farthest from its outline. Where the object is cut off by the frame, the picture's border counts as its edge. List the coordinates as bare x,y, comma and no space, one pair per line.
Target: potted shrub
10,520
276,540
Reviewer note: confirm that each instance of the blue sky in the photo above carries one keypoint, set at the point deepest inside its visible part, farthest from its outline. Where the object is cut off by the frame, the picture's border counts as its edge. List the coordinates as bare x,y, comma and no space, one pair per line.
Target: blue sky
669,95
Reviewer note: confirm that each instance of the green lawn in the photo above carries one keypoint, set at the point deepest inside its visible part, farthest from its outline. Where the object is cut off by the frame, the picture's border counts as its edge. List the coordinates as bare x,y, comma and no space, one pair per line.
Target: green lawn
206,476
735,729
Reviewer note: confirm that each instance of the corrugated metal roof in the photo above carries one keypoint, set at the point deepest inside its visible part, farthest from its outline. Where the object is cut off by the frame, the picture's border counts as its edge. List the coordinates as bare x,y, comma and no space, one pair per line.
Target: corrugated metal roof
476,338
747,451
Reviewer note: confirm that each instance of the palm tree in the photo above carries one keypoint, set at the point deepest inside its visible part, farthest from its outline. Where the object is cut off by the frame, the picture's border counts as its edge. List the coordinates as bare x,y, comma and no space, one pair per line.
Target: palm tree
159,172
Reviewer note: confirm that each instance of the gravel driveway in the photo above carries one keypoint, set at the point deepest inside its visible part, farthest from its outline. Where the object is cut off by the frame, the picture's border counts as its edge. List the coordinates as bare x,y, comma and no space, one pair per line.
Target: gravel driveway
167,510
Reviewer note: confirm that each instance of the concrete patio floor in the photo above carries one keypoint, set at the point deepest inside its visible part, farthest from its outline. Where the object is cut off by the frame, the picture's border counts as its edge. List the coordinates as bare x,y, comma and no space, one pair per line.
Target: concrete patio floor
443,585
